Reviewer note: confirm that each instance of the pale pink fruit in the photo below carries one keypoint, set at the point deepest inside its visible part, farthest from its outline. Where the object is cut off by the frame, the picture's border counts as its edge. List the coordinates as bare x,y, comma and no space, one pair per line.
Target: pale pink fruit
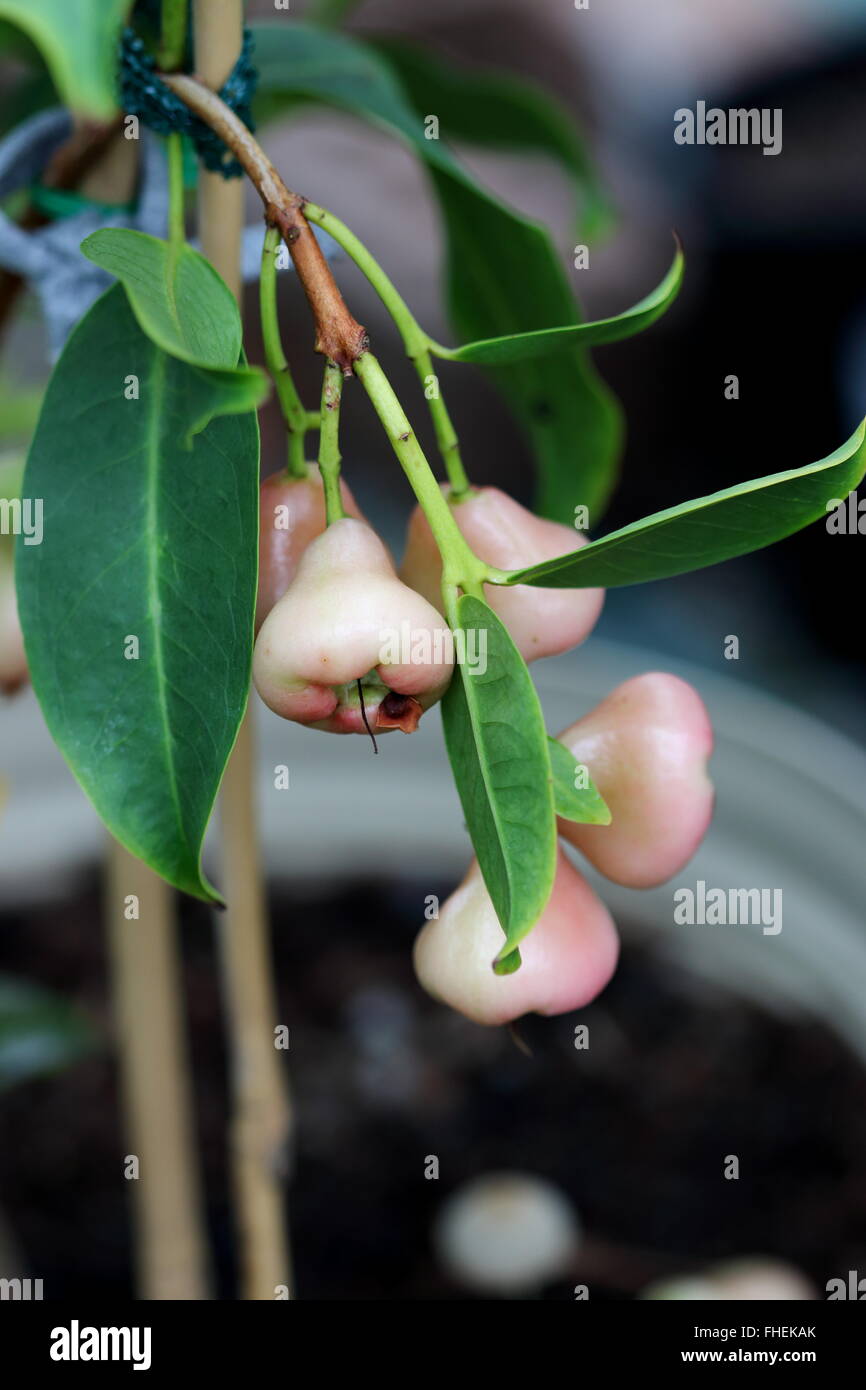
568,957
501,532
758,1278
646,748
753,1279
346,616
13,663
291,514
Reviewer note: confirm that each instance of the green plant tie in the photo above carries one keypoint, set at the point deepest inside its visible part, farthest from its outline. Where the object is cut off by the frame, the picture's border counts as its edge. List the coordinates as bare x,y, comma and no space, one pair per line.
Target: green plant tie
145,95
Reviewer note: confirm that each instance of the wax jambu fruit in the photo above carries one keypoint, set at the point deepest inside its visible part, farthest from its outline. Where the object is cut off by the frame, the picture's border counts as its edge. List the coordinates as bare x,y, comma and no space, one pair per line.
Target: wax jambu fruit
345,618
542,622
13,663
646,747
291,514
567,958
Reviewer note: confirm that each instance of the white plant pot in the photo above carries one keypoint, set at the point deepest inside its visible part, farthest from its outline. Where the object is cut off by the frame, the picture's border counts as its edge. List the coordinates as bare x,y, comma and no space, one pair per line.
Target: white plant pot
790,815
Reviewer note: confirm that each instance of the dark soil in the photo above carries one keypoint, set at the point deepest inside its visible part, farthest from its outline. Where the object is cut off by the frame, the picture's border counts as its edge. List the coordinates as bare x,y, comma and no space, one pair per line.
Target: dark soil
635,1130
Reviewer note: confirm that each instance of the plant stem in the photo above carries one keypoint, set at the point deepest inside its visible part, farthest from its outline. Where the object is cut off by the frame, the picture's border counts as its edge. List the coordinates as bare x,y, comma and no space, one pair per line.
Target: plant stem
176,226
446,435
171,1253
295,416
261,1116
413,335
335,327
338,335
415,340
329,442
459,565
330,13
172,39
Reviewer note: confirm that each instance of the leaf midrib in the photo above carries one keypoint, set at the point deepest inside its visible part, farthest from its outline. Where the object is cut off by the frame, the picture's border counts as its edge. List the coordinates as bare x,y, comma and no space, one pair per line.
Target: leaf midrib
152,442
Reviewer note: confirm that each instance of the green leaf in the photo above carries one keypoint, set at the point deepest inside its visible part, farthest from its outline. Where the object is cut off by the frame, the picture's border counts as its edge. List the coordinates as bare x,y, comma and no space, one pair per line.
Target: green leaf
496,741
78,40
144,538
498,110
178,298
39,1032
585,805
183,306
709,529
523,347
504,275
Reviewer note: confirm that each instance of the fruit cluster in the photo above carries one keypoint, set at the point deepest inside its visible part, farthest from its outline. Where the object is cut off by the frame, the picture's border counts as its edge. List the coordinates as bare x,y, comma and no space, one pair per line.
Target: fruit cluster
328,595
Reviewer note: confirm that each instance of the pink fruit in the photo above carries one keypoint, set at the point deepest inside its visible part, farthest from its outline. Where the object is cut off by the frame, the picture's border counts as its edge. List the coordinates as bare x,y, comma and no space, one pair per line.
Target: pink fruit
542,622
646,748
291,514
568,957
13,663
347,617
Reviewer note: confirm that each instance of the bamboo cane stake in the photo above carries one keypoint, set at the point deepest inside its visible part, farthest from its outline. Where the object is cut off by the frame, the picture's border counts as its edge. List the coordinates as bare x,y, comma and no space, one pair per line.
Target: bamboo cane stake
171,1254
261,1117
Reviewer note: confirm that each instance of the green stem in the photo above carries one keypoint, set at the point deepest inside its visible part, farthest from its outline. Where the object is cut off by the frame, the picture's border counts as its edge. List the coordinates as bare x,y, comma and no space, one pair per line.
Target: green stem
172,38
297,419
176,227
446,435
329,441
330,12
415,340
460,567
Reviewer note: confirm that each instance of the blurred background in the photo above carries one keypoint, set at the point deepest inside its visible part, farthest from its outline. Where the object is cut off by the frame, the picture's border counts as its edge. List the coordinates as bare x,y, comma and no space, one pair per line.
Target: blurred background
709,1042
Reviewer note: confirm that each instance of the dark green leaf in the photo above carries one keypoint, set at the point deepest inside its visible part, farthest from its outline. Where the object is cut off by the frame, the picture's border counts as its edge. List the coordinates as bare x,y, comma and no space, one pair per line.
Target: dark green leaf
709,529
504,275
145,538
78,40
496,109
39,1032
494,733
583,804
522,347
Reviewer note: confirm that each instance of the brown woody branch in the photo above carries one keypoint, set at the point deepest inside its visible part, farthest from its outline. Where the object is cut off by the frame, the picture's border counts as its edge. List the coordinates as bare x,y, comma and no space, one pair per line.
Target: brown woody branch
338,335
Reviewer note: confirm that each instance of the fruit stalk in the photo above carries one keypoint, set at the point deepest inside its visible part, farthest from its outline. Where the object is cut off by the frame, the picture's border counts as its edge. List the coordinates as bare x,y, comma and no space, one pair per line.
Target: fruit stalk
460,567
415,340
297,420
329,442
